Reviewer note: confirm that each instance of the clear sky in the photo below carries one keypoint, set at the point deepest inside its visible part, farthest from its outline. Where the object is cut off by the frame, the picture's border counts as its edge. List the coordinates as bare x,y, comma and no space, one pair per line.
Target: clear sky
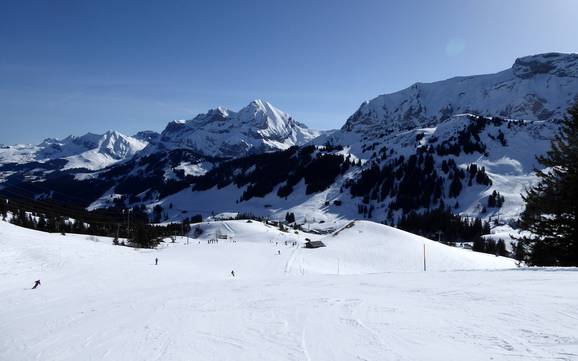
69,67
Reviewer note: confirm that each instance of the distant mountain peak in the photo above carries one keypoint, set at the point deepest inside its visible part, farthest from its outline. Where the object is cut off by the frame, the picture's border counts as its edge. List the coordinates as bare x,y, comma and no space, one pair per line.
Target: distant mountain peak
220,132
556,64
537,87
262,106
91,150
259,103
146,136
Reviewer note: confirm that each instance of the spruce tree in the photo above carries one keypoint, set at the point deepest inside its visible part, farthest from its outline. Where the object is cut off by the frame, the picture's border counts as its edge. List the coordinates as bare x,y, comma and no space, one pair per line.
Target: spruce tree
290,217
3,208
551,212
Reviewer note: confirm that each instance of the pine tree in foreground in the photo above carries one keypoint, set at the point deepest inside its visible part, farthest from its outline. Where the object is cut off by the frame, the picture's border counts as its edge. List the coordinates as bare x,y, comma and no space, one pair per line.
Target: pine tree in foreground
551,213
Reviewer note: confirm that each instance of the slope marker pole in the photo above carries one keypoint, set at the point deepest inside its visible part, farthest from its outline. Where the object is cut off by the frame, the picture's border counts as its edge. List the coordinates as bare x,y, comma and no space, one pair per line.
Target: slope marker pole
424,263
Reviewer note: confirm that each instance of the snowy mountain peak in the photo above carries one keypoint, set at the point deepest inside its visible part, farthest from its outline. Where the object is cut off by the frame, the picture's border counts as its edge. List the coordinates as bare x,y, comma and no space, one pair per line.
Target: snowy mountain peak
265,116
111,143
556,64
219,114
538,87
146,136
92,151
263,107
118,146
258,127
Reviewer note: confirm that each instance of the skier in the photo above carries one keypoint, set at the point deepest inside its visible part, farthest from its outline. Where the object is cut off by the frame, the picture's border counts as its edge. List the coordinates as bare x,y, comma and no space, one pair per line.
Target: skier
36,284
156,261
233,273
278,252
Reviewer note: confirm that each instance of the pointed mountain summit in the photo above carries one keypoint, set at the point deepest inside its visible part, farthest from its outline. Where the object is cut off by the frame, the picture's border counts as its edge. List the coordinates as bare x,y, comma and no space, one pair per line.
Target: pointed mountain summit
258,127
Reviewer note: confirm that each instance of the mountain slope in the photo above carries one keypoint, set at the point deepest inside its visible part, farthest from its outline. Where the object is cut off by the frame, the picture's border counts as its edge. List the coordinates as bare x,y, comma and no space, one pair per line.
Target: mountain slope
364,247
458,164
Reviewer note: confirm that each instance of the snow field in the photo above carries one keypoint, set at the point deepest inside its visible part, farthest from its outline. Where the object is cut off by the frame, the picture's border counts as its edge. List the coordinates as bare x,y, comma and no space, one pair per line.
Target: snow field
368,247
103,302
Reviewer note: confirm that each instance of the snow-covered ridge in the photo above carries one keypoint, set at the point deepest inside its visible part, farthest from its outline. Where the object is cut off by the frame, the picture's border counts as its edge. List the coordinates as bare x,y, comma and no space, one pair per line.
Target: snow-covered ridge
539,87
555,64
91,151
221,132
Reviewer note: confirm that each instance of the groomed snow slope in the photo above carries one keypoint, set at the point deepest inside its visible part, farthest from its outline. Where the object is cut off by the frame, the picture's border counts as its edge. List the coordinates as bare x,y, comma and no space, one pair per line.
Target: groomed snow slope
104,302
366,247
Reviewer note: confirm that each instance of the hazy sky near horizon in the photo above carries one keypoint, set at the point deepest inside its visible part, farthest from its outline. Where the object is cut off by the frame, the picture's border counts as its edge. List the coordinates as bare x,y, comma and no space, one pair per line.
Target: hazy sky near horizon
69,67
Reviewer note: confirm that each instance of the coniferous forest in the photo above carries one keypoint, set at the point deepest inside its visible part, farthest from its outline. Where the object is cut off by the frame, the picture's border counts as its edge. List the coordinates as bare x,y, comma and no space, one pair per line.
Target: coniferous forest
130,227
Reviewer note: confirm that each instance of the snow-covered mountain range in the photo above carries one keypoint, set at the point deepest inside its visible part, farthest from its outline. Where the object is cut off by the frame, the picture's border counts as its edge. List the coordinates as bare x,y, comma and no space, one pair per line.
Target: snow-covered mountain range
467,143
257,128
194,145
90,151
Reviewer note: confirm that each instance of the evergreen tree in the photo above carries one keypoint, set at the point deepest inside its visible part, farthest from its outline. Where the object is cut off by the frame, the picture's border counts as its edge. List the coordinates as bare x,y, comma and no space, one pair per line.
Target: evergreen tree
519,251
41,225
290,217
3,208
501,249
157,213
551,212
455,187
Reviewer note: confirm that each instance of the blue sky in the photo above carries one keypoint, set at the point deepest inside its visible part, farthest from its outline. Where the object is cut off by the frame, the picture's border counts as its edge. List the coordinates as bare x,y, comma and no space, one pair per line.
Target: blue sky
69,67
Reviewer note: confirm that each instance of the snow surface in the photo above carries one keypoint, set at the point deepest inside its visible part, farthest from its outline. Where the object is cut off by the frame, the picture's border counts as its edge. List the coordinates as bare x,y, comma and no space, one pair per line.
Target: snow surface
365,247
103,302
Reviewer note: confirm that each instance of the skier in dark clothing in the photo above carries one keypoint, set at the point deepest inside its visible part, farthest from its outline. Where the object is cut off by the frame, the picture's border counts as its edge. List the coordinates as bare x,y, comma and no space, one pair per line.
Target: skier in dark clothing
36,284
233,273
156,261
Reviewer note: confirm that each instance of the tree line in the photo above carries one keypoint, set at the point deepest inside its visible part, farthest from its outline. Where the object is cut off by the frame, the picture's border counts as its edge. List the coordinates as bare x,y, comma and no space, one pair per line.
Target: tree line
130,227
